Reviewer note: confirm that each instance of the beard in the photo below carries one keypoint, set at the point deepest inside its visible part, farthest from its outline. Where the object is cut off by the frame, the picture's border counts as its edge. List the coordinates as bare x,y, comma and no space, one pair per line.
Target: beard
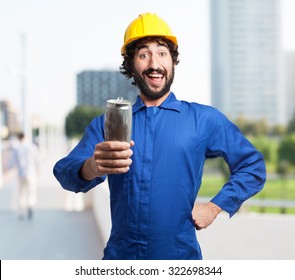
147,91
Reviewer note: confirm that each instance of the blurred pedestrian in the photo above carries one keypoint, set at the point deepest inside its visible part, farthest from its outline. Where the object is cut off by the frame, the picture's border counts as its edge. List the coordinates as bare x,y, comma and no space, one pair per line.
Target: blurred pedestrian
25,160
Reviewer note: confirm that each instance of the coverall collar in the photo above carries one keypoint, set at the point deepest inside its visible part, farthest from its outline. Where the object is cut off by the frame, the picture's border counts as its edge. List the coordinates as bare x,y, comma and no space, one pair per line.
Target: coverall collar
170,103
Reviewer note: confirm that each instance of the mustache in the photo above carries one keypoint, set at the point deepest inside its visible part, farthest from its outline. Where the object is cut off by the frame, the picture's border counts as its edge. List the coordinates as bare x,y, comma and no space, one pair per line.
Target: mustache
152,70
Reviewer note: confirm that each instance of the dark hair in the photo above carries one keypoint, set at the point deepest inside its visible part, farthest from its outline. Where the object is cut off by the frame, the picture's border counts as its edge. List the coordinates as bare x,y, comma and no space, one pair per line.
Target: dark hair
20,135
126,67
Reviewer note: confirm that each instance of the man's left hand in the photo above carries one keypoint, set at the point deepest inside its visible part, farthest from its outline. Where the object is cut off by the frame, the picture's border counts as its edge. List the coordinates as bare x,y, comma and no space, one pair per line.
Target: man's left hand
204,214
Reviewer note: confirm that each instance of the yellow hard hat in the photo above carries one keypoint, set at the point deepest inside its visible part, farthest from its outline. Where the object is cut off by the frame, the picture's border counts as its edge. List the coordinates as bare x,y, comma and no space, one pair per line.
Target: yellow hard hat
147,25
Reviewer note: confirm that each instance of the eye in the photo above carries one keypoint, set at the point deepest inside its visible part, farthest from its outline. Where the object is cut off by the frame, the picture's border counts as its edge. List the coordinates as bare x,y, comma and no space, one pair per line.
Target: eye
143,56
162,53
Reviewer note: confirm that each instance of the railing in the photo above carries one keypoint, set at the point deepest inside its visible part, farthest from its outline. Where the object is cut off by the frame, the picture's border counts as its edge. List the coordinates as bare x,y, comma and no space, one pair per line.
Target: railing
262,203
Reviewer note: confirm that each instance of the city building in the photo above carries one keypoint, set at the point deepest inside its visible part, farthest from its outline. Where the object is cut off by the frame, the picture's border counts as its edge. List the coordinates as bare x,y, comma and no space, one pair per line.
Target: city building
95,87
9,119
289,82
246,60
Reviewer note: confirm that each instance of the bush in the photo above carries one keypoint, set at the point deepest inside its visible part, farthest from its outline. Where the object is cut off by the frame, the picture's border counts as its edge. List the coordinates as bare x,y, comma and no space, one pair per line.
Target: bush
79,118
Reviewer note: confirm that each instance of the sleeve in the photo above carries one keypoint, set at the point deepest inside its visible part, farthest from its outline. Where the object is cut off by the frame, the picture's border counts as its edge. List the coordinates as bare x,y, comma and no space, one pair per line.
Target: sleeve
66,170
246,164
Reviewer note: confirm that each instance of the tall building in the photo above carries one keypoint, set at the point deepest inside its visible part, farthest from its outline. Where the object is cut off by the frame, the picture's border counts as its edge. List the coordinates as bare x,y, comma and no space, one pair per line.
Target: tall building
94,88
289,82
246,59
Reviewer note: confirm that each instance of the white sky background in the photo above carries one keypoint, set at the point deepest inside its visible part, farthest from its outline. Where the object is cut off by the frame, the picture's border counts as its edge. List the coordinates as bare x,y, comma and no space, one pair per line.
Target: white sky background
65,37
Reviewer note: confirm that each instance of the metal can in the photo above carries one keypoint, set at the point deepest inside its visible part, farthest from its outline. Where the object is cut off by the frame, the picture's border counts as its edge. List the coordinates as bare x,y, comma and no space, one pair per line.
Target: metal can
118,120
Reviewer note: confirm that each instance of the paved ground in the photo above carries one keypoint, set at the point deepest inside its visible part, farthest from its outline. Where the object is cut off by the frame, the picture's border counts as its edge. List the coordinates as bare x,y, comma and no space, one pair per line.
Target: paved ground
57,233
54,232
250,236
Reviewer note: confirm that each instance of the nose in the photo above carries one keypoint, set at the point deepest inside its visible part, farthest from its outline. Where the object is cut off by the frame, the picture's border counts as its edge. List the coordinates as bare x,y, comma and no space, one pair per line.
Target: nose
154,62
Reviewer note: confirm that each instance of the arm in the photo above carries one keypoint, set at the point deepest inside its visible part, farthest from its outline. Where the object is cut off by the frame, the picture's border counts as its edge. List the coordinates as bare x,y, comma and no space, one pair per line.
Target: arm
246,165
92,159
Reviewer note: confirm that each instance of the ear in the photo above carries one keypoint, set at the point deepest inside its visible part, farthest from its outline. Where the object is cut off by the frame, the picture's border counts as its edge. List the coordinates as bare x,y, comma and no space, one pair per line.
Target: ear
132,71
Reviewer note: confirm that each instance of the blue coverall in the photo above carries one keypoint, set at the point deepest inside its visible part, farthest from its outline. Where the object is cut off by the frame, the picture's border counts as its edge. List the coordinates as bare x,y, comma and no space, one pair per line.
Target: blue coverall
151,204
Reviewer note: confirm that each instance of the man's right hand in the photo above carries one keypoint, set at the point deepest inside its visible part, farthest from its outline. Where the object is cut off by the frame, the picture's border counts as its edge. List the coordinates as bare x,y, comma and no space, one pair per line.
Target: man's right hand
110,157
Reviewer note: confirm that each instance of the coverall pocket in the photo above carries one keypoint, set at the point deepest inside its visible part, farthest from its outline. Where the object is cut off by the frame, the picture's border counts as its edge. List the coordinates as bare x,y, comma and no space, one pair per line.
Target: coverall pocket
188,247
162,246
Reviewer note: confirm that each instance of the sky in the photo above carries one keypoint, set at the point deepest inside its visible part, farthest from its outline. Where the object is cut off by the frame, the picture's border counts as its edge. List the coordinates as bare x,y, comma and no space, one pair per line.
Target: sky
65,37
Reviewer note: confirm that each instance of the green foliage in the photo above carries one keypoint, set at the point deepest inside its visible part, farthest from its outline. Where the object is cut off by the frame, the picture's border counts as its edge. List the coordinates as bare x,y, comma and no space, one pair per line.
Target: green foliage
79,118
260,127
286,151
278,130
267,146
291,125
223,167
253,128
211,185
283,167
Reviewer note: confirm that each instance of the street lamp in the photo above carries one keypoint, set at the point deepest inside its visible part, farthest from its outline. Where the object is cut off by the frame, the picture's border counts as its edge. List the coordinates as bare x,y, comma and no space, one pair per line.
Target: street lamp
26,124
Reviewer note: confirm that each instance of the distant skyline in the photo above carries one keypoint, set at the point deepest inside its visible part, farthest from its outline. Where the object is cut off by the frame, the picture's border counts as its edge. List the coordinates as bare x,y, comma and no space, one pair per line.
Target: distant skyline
64,37
246,72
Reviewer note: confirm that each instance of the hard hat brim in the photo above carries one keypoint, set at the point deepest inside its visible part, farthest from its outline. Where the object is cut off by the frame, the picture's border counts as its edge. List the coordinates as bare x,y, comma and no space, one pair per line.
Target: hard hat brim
171,38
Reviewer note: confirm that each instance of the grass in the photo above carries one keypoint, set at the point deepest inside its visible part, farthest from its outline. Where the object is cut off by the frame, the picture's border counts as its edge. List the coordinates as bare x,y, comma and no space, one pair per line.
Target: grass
274,189
273,210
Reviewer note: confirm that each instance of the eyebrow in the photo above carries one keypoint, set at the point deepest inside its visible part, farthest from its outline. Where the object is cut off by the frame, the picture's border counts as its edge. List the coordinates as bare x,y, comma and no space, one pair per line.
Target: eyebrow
144,45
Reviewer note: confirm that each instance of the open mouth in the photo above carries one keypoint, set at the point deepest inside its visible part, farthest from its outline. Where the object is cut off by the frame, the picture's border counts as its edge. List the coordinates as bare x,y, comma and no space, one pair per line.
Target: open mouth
155,76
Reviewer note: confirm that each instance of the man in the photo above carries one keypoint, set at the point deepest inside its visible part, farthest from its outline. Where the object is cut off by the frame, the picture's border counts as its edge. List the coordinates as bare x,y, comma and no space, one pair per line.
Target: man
154,180
25,159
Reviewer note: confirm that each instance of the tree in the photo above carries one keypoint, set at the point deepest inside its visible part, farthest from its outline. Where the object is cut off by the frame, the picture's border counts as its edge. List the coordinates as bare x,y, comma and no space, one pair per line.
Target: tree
286,159
291,125
79,118
286,151
223,168
278,130
267,146
251,127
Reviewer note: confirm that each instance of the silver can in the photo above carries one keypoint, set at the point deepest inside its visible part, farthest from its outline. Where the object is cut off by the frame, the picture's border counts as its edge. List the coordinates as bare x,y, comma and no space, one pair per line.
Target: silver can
118,120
